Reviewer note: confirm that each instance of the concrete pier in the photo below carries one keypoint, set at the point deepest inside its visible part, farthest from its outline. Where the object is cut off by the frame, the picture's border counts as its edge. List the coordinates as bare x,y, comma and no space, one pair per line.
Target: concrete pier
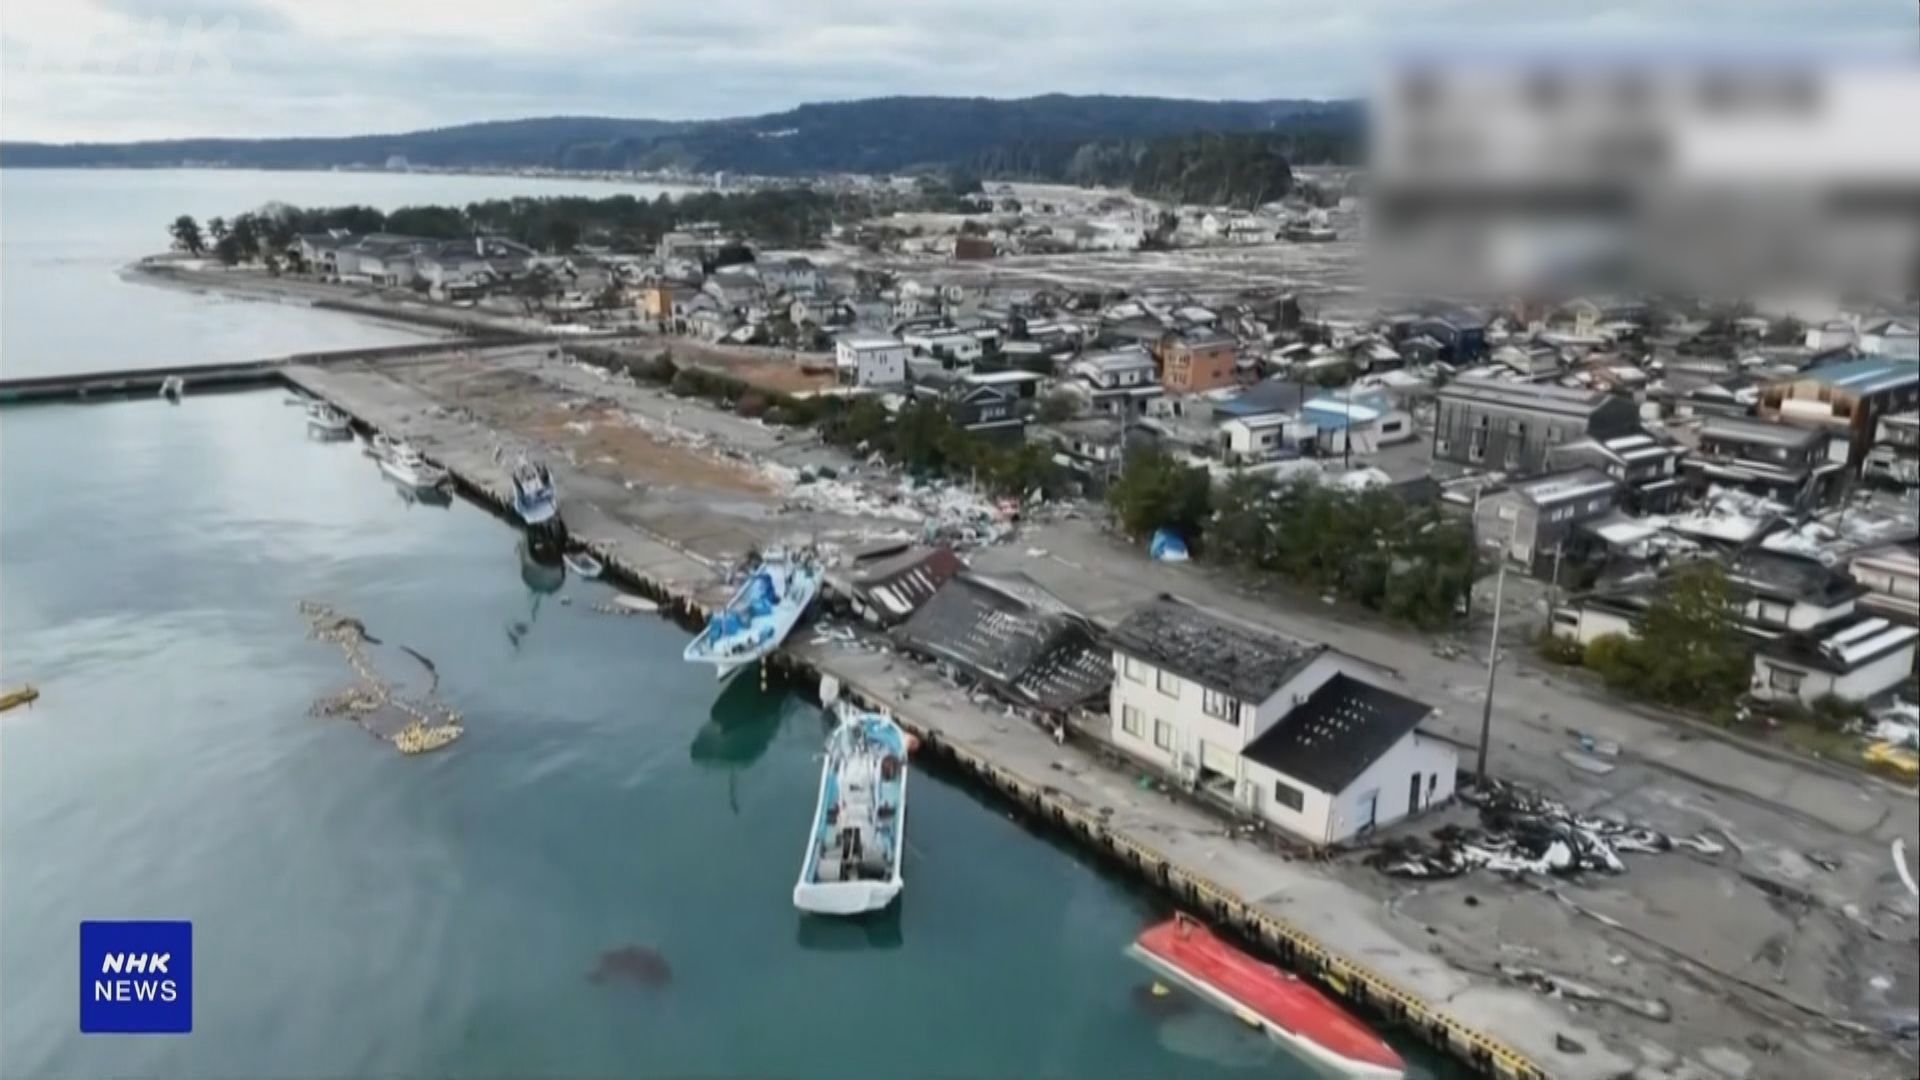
234,375
1307,918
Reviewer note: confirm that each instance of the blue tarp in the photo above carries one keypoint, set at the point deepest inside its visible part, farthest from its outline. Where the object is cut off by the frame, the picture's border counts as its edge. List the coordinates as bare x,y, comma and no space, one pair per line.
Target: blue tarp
1167,547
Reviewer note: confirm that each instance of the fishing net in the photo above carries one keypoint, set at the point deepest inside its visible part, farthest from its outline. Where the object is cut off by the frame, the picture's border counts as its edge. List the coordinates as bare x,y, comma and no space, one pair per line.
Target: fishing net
413,724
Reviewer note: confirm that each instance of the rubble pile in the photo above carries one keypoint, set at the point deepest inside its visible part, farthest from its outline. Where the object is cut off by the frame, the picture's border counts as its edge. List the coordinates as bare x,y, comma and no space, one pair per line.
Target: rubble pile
1524,832
947,514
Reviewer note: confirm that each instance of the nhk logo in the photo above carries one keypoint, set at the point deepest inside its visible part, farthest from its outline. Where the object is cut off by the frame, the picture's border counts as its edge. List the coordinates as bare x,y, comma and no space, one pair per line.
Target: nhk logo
136,977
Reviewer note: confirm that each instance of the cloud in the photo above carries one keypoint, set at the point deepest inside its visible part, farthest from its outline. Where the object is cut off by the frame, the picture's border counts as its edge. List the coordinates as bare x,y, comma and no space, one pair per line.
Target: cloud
122,69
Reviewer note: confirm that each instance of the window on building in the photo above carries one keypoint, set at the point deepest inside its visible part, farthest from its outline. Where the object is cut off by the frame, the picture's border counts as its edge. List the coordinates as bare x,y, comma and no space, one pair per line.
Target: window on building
1289,796
1168,684
1163,735
1477,445
1782,679
1130,721
1216,704
1134,669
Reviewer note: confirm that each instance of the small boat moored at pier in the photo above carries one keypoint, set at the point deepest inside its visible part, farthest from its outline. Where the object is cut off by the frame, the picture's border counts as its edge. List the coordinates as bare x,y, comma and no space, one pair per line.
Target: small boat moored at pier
535,497
761,614
854,849
173,387
583,564
328,421
404,465
1294,1013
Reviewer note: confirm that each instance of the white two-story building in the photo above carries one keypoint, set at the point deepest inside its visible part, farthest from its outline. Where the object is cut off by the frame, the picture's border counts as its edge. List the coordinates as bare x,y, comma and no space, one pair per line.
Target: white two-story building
1292,732
871,360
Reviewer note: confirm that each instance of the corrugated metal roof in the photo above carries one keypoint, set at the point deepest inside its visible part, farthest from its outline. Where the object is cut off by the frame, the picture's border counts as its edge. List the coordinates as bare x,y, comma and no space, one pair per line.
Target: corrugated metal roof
1013,636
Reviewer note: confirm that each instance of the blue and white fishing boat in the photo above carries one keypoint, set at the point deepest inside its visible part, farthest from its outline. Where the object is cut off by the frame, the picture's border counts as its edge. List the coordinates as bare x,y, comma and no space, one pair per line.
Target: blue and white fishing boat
535,498
859,827
760,615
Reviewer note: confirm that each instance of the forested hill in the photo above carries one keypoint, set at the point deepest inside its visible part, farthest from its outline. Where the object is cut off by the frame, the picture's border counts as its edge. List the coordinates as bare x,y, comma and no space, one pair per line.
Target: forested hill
1211,168
876,135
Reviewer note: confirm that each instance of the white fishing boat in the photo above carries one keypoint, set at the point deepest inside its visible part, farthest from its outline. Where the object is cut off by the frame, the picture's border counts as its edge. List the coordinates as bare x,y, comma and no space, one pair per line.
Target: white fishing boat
761,614
327,420
404,465
383,446
859,825
583,564
535,498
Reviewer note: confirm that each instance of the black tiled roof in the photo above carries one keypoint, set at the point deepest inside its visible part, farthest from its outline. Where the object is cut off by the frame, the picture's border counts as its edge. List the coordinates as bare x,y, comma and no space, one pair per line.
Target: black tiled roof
1238,660
1332,737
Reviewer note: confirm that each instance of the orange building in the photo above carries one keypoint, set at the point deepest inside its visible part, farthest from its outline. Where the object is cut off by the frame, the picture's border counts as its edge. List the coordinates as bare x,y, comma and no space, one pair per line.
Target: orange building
1198,363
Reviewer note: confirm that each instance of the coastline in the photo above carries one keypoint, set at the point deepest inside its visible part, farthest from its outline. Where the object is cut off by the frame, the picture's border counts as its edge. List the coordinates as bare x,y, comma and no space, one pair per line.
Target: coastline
191,275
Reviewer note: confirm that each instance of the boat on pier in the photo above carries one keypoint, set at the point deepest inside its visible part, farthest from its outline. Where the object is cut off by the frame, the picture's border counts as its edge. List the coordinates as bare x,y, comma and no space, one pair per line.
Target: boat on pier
854,848
1293,1013
761,614
535,498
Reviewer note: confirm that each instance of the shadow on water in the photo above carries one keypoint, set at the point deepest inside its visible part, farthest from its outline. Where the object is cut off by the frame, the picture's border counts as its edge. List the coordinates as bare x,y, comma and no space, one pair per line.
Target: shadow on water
740,728
883,929
543,572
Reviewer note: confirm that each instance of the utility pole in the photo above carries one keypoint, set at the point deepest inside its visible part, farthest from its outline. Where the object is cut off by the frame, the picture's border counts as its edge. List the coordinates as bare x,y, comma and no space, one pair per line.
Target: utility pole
1493,660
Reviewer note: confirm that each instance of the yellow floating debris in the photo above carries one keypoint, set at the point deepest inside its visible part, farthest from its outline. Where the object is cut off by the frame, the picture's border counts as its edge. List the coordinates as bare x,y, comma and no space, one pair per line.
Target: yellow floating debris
19,695
421,739
1160,990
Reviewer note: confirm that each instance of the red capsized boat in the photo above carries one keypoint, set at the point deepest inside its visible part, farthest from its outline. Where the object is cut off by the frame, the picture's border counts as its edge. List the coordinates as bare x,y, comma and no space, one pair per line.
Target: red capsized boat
1300,1017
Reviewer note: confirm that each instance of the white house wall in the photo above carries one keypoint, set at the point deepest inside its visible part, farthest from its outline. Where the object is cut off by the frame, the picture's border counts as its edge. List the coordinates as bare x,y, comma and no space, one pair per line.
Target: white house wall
1594,623
1186,713
1860,684
1310,822
1414,754
1875,677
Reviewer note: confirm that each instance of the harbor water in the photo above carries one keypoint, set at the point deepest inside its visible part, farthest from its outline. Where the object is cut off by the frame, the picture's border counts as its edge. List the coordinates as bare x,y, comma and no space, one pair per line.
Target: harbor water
595,880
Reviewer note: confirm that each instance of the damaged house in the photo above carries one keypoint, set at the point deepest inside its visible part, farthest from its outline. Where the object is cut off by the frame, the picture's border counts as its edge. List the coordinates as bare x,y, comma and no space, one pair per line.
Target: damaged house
1785,463
886,585
1011,636
1511,426
1647,467
1294,733
1535,521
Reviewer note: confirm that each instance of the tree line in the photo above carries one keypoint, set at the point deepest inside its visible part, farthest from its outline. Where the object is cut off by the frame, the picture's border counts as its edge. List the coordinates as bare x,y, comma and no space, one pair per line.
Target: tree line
775,217
1409,563
1209,168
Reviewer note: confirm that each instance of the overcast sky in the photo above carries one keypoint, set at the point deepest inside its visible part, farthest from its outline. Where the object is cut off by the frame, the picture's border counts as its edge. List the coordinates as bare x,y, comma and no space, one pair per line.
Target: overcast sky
135,69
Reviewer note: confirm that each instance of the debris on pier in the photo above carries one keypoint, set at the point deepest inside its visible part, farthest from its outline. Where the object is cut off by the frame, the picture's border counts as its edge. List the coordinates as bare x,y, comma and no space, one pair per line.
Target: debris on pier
1524,832
413,724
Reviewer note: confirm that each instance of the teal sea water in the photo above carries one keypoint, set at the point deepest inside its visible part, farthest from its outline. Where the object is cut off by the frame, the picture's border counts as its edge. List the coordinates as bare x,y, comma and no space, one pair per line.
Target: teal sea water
360,913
